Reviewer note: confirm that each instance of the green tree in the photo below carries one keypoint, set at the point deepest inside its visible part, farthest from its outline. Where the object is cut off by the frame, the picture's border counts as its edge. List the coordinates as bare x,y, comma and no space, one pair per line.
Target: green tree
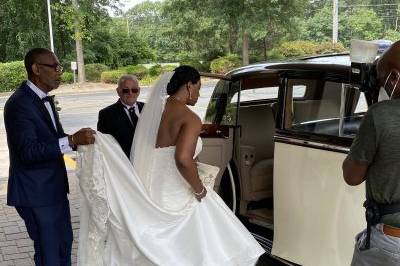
237,22
80,17
359,23
22,27
363,24
148,22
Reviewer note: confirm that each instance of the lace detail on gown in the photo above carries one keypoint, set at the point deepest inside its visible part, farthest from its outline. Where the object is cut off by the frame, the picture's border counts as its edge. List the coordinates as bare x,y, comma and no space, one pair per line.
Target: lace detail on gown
94,205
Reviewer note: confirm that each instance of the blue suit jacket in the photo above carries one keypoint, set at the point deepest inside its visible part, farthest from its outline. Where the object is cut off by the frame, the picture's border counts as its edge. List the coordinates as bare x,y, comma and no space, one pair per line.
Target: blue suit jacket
37,174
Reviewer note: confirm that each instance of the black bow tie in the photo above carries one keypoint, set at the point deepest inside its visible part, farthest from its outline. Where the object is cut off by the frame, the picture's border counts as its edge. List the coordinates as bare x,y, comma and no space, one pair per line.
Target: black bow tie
47,99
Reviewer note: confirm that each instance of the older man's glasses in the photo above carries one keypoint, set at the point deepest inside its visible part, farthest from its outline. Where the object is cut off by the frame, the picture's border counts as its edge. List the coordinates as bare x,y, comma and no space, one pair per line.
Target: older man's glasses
126,91
57,67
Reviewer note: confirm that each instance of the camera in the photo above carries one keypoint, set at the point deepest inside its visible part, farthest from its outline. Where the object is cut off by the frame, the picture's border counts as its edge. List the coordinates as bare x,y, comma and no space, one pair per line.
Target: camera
363,71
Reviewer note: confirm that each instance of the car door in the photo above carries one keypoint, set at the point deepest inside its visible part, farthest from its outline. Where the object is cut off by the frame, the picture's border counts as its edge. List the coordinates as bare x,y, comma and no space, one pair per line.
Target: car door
316,215
219,130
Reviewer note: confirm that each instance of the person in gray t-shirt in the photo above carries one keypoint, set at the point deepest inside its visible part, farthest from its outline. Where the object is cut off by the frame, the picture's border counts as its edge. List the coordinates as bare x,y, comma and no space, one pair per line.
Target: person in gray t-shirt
374,157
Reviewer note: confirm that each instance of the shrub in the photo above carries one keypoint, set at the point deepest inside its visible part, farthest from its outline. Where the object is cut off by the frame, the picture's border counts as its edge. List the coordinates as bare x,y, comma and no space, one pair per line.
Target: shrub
111,76
93,71
392,35
155,70
274,54
168,68
148,80
67,77
138,70
329,48
304,48
297,48
224,64
197,64
11,75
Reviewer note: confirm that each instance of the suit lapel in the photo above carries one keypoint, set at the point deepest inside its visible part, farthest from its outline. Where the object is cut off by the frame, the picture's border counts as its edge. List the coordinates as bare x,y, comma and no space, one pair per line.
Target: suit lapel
140,104
41,107
60,130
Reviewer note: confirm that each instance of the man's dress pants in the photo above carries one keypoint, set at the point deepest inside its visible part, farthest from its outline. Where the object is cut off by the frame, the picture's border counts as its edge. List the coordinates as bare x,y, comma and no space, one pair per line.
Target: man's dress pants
50,229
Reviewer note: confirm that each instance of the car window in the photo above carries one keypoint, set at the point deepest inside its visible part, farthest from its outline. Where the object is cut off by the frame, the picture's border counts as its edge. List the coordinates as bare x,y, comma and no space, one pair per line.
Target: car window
221,110
320,111
265,93
256,94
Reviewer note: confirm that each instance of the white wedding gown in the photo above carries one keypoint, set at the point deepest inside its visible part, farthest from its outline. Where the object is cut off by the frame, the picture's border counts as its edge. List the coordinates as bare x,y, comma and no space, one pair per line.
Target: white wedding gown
124,222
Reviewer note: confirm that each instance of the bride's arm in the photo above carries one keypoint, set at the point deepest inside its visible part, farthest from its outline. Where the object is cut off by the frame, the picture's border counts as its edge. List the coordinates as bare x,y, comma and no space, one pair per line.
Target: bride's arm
185,149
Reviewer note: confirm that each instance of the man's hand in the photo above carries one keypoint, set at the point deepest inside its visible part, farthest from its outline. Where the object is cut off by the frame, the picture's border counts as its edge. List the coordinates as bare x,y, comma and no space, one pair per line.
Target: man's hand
84,136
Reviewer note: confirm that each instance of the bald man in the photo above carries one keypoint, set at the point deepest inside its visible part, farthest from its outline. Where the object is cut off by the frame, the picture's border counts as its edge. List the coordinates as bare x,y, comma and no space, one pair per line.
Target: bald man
38,183
374,157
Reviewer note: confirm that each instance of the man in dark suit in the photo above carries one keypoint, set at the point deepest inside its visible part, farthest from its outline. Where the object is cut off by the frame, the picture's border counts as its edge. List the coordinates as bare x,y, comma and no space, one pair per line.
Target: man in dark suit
120,118
38,184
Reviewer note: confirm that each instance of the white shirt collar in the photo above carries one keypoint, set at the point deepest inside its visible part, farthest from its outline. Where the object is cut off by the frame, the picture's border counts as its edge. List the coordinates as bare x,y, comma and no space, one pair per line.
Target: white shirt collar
35,89
127,106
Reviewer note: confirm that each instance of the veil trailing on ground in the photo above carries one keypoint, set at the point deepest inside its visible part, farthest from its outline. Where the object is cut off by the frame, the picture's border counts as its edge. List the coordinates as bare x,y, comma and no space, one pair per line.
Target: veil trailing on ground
143,147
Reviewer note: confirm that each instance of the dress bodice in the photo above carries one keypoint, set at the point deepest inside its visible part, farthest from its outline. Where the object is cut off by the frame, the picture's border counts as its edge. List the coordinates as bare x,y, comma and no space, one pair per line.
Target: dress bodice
171,149
167,186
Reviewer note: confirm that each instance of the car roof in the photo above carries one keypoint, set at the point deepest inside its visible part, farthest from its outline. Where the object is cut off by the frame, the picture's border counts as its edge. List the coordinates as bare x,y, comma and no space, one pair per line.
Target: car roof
335,63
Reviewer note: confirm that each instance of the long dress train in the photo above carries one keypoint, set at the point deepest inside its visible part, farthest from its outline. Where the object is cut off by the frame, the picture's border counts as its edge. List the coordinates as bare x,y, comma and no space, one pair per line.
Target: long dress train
124,222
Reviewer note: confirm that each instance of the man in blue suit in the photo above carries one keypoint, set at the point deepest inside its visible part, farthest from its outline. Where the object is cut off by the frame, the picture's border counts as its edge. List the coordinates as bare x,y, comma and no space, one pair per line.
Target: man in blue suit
38,183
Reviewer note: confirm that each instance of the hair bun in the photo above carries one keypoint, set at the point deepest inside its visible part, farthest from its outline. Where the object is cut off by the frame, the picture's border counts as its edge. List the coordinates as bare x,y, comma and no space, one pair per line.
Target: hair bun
171,87
182,75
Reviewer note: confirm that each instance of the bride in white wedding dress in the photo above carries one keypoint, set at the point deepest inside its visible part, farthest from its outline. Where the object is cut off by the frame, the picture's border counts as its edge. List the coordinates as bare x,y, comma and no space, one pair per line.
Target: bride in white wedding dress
154,209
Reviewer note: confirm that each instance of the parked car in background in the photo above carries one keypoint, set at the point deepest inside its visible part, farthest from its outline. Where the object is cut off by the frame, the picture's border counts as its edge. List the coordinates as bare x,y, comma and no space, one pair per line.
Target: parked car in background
279,133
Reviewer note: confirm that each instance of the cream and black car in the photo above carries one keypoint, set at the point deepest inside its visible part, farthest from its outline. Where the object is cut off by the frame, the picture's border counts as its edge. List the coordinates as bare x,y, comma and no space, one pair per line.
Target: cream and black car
279,133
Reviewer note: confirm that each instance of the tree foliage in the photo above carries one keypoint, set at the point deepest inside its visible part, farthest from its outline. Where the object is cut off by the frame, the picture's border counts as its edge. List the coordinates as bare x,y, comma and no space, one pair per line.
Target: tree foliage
189,31
24,25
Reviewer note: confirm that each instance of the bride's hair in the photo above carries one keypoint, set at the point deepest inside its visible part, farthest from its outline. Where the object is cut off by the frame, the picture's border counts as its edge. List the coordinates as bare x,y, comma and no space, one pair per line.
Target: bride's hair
182,75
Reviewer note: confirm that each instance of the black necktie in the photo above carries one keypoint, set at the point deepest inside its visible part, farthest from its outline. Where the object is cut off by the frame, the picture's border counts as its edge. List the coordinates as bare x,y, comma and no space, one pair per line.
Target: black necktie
132,115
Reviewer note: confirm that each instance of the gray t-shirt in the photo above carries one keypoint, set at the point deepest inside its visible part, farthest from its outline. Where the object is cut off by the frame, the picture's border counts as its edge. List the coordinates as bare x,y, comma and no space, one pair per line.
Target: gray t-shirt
378,144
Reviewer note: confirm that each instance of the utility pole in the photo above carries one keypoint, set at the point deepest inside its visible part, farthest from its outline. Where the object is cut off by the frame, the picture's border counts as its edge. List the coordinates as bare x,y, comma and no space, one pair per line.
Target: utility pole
335,22
127,25
50,26
79,45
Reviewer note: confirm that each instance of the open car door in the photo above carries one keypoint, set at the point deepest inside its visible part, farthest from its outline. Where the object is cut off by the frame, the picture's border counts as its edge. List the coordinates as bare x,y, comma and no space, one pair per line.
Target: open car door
218,132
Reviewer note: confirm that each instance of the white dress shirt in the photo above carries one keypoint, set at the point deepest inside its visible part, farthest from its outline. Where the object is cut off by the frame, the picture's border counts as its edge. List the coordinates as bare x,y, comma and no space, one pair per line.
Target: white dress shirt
62,142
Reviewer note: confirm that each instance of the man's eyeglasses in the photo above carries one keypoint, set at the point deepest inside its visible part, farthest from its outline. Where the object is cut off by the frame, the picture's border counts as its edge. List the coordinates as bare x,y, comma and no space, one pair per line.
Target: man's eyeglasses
126,91
57,67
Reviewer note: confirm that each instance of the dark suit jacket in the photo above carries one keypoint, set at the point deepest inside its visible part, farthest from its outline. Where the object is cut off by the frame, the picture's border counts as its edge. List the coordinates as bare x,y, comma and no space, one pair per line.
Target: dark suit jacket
113,120
37,174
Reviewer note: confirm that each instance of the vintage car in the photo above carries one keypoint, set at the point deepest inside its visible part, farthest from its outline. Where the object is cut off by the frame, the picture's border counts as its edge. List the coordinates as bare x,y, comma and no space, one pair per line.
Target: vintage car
279,133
